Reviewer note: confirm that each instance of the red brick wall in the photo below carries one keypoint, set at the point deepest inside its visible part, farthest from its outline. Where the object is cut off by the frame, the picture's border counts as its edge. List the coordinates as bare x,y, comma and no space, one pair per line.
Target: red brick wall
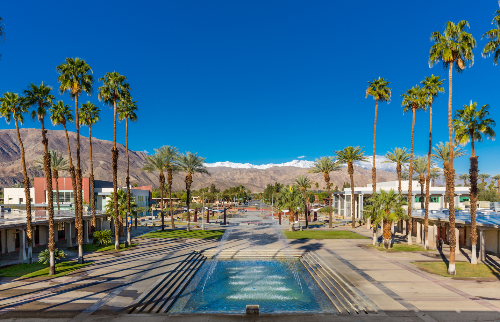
64,184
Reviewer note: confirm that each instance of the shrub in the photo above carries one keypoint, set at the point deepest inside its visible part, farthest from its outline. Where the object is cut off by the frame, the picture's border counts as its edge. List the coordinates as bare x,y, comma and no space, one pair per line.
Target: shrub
103,236
44,256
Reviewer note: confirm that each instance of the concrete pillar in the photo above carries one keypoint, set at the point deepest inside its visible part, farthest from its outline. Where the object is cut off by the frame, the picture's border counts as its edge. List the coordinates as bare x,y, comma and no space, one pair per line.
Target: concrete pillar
457,238
392,228
403,229
85,231
11,240
419,230
482,245
441,201
69,235
22,245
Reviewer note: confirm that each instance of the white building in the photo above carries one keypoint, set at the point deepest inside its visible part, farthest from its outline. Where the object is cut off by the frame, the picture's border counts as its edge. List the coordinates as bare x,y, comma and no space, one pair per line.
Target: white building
15,196
342,199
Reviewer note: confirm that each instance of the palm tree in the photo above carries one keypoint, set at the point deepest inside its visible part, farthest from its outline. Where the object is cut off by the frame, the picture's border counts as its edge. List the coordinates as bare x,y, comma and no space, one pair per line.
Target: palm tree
113,90
75,76
493,45
497,178
89,115
464,177
350,155
158,162
61,114
123,206
12,107
40,98
400,156
170,153
420,167
441,154
483,176
381,92
190,163
127,111
435,174
453,48
290,199
414,99
57,163
304,183
432,87
471,125
385,207
326,165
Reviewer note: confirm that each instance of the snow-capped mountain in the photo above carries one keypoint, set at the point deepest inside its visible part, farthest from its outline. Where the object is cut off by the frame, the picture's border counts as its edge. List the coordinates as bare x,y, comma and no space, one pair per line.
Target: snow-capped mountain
391,167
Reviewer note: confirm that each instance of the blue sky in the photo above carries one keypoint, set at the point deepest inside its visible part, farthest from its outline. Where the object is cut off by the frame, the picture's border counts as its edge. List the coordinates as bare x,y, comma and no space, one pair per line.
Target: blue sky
254,81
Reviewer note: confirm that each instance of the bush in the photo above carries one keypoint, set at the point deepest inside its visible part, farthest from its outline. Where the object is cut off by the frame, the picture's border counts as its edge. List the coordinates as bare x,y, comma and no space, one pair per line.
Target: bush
103,236
44,256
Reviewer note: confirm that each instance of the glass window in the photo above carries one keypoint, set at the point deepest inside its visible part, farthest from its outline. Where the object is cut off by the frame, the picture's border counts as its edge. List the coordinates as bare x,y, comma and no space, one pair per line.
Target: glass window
462,199
434,199
417,199
21,200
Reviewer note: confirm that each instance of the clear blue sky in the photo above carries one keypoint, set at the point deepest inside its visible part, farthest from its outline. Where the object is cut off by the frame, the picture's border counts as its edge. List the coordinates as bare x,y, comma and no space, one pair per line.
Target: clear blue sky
254,81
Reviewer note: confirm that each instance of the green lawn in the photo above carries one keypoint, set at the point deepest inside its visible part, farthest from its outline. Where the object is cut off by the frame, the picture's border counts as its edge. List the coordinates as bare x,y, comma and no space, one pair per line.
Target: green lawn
178,233
111,247
401,248
323,234
463,269
37,269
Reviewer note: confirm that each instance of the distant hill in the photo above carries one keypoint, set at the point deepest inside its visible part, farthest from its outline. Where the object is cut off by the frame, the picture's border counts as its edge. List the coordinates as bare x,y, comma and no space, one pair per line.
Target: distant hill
223,177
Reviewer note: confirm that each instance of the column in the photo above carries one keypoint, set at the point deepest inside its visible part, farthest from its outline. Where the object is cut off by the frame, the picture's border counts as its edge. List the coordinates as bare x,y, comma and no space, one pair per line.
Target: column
22,245
69,235
85,231
403,229
482,245
419,230
457,243
441,201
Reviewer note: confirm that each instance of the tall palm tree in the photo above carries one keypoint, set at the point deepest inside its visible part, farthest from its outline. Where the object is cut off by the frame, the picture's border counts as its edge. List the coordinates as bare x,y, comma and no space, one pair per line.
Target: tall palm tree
170,153
441,154
464,178
350,155
304,183
40,98
61,114
190,163
483,176
326,165
158,162
414,99
471,125
290,199
420,167
127,111
435,174
385,207
89,115
452,48
381,92
113,90
12,106
432,87
75,76
57,163
497,178
493,35
400,156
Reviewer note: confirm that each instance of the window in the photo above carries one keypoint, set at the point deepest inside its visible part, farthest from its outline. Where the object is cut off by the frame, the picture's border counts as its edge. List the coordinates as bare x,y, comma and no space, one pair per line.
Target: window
64,196
417,199
462,199
434,199
21,200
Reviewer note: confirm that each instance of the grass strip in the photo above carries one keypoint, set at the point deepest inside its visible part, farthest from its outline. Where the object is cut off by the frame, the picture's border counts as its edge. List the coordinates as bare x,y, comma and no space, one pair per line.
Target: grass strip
401,248
463,269
40,270
104,248
323,234
181,233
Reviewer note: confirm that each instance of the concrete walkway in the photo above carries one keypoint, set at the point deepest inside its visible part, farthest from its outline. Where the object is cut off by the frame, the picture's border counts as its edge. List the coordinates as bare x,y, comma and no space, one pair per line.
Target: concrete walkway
102,291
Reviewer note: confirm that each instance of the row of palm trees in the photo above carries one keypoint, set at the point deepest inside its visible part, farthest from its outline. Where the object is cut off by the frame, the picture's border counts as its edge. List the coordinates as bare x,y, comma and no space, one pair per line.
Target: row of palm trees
75,76
168,159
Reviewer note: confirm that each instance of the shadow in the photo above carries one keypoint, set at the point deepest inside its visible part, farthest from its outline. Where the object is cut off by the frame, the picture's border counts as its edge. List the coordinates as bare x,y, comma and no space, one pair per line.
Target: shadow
465,255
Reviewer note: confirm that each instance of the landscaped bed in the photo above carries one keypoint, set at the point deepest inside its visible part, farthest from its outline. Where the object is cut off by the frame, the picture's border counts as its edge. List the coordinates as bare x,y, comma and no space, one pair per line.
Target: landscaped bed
181,233
104,248
37,269
400,248
463,269
323,234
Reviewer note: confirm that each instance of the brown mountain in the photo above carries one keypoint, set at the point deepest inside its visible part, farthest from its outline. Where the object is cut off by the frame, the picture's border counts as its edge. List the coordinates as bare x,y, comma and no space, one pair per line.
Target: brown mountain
223,177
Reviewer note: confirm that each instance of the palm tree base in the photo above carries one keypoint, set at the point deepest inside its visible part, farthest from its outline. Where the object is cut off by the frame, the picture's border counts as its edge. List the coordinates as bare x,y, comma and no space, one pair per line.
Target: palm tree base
473,259
387,243
80,253
52,264
30,254
374,240
451,269
426,245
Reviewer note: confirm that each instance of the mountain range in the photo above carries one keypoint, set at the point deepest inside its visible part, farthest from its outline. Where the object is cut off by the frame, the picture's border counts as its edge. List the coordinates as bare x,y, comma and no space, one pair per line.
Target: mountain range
223,174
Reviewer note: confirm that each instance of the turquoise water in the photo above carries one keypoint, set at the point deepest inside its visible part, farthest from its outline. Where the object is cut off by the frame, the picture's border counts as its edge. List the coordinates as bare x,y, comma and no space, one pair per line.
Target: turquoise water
267,283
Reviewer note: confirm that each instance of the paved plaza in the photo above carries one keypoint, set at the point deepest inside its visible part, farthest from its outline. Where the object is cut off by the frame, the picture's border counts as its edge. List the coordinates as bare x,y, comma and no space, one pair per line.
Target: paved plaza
397,289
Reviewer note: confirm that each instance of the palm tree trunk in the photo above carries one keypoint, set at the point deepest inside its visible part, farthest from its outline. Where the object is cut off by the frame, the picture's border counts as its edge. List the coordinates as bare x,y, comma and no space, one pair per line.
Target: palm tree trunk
162,185
445,173
428,181
170,180
422,183
73,179
291,220
114,153
92,184
410,184
398,171
79,194
350,170
188,190
26,181
327,180
473,200
451,177
50,200
56,177
374,170
127,183
387,235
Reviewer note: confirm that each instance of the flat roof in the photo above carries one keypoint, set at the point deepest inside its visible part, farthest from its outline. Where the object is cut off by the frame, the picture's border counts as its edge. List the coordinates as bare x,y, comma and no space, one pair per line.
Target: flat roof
17,218
484,217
